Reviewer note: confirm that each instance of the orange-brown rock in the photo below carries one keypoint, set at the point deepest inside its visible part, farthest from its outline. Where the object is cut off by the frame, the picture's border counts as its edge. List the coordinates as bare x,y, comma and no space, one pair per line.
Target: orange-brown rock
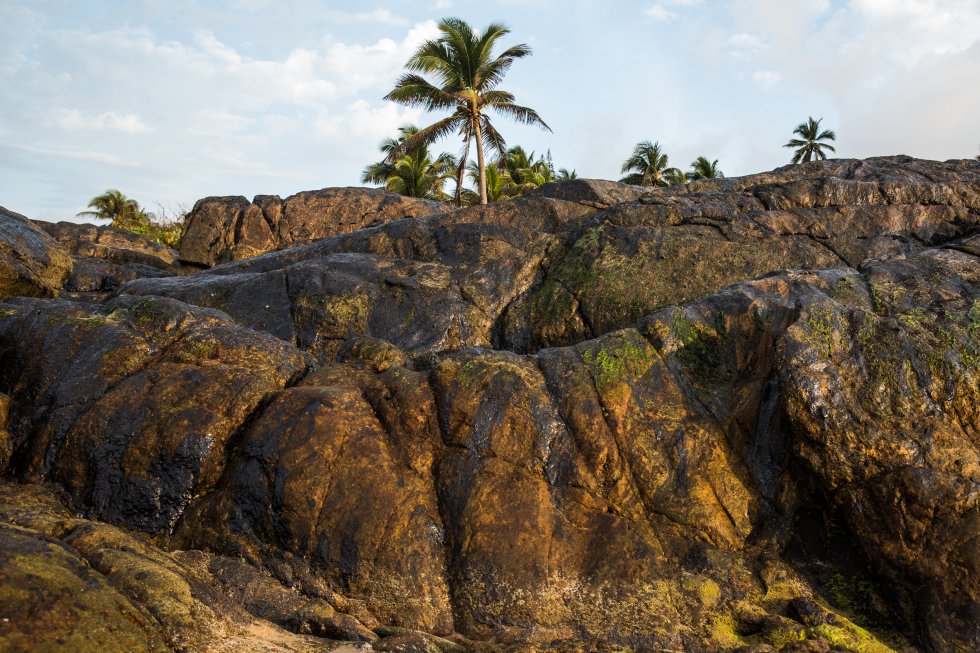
221,229
741,415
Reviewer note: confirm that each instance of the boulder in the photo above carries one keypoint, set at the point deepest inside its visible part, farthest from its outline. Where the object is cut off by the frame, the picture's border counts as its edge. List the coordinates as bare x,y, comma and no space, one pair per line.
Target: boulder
221,229
31,262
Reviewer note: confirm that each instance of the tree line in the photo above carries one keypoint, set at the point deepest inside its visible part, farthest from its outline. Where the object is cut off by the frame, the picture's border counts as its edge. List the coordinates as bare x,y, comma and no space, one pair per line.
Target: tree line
464,75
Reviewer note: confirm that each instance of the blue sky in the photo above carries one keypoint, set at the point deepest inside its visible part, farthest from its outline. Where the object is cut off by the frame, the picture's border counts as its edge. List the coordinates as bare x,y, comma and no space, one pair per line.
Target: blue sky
173,100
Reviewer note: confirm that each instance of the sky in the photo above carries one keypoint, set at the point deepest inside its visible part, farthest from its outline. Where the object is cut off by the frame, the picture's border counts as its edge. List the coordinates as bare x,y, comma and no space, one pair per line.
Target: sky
174,100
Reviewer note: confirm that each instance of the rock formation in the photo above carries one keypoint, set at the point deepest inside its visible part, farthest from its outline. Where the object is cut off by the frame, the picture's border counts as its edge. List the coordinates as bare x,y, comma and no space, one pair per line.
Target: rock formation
221,229
739,415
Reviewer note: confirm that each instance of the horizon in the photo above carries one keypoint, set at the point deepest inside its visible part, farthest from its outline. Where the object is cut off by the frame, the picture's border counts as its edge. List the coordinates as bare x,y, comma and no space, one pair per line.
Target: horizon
241,98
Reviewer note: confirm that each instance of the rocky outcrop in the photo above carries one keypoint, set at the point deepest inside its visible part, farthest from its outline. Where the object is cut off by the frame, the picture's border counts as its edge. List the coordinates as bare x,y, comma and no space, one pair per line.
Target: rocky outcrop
404,428
221,229
31,262
104,257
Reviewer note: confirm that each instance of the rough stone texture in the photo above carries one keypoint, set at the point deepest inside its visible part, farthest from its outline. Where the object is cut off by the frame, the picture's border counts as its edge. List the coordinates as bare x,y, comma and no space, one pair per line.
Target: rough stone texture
31,262
595,193
751,423
104,257
107,242
221,229
71,584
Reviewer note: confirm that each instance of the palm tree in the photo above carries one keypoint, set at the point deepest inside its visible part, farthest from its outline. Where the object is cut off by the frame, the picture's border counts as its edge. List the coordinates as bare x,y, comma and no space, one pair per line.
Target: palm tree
499,185
648,166
701,168
467,75
414,173
564,174
675,177
124,212
525,171
809,145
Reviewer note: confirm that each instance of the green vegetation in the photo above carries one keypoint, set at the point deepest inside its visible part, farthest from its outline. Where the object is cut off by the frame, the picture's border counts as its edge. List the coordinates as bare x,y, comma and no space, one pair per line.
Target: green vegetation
414,173
701,168
700,354
468,75
513,173
823,328
649,166
126,213
808,145
610,362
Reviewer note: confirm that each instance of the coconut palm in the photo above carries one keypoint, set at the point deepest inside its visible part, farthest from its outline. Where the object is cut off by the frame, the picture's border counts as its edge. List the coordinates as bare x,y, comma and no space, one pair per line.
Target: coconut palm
564,174
414,173
467,75
526,171
808,144
499,185
701,168
648,166
675,177
124,212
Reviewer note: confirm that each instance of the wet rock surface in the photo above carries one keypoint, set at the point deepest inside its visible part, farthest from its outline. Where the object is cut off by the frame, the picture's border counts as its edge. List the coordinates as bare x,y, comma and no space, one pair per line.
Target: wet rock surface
31,262
740,415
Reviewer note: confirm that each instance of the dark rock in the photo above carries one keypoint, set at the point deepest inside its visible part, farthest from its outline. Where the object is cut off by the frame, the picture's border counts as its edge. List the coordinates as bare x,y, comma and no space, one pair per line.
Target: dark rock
595,193
76,585
103,257
31,262
221,229
109,243
543,424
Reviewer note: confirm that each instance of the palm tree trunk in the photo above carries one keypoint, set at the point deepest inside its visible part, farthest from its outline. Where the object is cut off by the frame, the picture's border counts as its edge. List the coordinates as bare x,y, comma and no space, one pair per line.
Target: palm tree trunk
461,171
478,130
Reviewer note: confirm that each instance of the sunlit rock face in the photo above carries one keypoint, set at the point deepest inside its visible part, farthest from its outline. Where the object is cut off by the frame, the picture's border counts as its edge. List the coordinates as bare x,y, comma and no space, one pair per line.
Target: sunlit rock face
742,414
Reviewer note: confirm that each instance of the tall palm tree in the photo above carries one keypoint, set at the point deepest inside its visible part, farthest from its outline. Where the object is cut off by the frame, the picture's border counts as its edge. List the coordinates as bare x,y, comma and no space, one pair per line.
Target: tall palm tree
414,173
808,144
648,166
124,212
701,168
467,75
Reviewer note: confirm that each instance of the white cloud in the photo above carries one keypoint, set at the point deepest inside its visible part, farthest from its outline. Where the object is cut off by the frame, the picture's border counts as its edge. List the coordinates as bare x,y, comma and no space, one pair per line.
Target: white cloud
662,11
75,120
746,45
766,79
659,12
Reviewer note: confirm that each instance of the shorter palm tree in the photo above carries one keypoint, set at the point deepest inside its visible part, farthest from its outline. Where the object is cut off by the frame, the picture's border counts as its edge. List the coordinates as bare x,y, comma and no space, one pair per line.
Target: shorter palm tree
564,174
124,212
808,144
413,173
499,184
675,177
525,170
701,168
648,166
